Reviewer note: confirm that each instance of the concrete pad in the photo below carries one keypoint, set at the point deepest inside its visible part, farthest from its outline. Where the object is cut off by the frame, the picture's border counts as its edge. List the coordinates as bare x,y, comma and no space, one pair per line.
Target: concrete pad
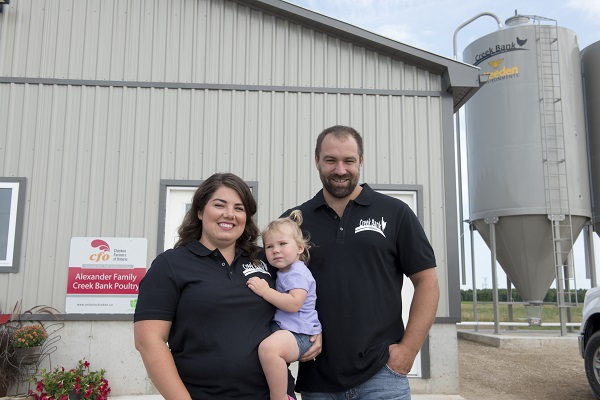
520,338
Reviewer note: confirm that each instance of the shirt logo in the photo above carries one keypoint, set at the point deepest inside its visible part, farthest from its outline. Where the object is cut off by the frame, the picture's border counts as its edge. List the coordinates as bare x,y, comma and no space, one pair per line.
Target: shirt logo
371,225
260,266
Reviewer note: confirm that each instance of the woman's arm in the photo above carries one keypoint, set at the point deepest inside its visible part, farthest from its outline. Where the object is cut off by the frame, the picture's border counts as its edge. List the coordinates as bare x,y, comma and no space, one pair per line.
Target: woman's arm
151,341
290,301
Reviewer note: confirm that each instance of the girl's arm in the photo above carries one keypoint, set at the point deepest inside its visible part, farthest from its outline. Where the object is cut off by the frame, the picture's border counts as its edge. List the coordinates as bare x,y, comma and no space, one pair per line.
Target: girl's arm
290,301
151,341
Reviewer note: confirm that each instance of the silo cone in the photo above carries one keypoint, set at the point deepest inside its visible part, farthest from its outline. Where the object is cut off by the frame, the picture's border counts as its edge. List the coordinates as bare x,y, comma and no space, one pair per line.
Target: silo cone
524,250
506,128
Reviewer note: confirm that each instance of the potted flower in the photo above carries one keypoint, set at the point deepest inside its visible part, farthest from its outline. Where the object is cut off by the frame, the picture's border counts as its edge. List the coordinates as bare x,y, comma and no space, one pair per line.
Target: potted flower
28,341
77,383
11,370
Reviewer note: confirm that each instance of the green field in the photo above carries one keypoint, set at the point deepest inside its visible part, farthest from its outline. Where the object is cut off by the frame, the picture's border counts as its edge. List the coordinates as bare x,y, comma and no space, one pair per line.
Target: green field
550,313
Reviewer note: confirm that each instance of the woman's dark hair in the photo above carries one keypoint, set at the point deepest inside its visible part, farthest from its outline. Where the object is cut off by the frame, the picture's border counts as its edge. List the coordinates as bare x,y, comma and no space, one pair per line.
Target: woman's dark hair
191,227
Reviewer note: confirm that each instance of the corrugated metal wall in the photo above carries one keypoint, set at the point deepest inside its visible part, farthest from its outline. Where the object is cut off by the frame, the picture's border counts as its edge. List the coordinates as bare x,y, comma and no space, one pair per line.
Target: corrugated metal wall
94,152
208,41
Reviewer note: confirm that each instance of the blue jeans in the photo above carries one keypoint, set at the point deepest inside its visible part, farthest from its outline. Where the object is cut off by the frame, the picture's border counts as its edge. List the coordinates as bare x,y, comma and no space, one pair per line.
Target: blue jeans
385,385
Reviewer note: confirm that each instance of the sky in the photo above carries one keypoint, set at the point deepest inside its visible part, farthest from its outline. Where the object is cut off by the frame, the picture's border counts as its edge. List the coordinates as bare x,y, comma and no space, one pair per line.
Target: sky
430,25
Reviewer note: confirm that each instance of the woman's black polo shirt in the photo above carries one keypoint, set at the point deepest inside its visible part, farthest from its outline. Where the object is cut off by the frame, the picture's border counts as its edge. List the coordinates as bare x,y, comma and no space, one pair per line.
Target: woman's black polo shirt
218,322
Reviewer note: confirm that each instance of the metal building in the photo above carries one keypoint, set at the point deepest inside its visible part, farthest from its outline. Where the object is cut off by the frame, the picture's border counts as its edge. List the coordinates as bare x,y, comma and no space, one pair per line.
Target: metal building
107,107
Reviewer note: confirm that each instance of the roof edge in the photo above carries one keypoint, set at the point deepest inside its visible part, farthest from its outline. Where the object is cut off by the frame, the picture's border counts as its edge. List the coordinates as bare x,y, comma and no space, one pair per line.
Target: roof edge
460,78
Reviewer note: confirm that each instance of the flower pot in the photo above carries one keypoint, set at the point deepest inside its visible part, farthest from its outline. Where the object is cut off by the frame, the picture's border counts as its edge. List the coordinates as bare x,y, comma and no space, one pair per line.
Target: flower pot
28,355
74,396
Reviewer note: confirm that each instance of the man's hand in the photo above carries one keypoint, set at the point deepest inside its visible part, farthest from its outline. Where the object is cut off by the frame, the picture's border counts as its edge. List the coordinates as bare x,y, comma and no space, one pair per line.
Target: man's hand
401,359
315,349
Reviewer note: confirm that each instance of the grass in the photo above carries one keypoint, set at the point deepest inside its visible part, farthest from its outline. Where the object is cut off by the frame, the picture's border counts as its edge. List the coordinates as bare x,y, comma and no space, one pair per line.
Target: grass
485,313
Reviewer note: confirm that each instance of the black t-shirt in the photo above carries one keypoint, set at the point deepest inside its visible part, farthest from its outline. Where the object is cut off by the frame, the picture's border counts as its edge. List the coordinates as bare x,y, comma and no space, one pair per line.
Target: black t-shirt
358,263
217,322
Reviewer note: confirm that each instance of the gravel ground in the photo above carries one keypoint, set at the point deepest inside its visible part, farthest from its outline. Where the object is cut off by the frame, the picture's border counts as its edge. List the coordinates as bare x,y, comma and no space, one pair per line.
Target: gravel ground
541,372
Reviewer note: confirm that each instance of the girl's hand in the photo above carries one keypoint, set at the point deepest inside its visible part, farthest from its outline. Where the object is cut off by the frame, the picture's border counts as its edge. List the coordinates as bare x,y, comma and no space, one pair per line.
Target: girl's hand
258,286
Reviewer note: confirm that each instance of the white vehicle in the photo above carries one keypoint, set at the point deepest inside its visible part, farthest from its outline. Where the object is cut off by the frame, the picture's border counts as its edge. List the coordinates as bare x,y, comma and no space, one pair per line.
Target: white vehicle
589,338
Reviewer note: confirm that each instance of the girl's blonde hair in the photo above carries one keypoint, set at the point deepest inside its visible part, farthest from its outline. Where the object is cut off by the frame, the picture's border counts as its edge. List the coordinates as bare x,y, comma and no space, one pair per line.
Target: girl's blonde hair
291,225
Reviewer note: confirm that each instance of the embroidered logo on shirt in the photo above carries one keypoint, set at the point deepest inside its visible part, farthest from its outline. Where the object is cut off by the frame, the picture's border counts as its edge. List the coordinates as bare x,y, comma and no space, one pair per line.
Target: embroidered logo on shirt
252,268
371,225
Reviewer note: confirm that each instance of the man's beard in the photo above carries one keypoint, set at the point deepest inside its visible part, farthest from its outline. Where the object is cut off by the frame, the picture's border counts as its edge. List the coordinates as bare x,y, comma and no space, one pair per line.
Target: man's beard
337,191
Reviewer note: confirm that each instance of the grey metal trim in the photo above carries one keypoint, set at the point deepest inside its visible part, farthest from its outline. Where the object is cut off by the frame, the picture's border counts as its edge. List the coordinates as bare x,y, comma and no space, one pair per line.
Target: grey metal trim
18,225
447,320
214,86
451,208
129,317
162,204
76,317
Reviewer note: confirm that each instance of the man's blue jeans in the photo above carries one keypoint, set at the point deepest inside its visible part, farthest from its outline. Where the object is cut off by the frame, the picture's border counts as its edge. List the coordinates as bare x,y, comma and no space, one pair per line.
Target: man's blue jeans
385,385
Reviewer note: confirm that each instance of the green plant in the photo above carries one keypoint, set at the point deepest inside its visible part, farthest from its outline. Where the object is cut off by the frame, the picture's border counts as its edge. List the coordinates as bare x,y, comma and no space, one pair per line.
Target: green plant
30,336
59,383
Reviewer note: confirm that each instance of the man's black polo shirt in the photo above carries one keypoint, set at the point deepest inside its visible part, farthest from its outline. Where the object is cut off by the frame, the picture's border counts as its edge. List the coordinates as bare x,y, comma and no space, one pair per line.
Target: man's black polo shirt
358,263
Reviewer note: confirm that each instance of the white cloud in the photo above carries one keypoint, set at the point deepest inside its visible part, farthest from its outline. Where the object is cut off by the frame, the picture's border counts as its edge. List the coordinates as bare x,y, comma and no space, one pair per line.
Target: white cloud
590,8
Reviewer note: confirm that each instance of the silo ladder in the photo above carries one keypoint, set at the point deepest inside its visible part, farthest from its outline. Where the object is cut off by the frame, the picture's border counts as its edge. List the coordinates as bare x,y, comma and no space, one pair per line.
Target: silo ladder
554,157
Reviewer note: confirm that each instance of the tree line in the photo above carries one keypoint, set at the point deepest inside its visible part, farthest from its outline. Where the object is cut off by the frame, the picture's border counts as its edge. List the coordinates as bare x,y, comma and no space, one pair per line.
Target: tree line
487,295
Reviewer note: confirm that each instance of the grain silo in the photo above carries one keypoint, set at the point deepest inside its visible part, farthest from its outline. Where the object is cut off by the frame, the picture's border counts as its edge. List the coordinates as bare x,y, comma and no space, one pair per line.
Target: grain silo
590,61
527,155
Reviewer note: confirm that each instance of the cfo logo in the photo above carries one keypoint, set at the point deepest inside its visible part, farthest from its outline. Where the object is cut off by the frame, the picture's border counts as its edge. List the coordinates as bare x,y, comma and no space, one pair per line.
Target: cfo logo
104,250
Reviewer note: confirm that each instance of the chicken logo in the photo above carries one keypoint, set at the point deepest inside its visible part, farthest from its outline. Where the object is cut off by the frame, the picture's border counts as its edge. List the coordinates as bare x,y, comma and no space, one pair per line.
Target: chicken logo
521,42
104,250
496,63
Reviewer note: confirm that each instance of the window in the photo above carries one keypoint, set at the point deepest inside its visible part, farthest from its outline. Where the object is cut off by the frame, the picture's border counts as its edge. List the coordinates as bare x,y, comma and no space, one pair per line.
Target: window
12,202
175,201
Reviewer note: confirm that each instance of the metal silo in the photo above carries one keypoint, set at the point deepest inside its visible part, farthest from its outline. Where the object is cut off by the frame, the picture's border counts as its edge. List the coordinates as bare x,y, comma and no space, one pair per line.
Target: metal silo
590,63
526,151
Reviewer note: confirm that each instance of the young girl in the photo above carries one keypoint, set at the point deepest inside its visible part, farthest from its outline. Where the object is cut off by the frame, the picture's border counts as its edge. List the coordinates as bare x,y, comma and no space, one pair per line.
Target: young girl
295,318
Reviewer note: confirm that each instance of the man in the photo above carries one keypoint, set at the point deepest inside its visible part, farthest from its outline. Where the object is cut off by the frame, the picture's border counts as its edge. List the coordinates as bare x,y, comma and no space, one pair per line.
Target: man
363,244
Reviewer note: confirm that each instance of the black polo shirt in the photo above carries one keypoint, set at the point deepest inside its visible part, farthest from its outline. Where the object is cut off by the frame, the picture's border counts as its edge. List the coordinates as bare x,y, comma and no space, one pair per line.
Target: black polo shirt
217,322
358,263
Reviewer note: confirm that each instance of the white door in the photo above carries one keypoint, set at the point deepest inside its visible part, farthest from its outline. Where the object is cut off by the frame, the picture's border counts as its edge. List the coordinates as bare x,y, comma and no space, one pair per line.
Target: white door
410,198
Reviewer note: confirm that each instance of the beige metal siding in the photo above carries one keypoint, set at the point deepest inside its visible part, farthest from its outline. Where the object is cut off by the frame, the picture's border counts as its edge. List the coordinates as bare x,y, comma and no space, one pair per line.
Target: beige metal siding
94,158
207,41
94,154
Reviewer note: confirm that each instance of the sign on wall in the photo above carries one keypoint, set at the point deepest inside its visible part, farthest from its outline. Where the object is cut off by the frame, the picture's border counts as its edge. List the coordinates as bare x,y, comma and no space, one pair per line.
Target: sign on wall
105,274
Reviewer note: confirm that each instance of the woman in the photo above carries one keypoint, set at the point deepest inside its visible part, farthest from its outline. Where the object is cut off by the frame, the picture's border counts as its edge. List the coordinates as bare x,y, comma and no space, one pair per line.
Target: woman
194,297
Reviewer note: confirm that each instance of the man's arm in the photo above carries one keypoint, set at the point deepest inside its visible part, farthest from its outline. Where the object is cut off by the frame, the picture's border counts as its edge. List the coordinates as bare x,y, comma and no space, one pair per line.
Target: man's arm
422,314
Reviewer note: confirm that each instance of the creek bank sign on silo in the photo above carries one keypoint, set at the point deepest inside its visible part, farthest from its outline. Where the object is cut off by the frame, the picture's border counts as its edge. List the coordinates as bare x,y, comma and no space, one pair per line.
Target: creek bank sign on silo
105,274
